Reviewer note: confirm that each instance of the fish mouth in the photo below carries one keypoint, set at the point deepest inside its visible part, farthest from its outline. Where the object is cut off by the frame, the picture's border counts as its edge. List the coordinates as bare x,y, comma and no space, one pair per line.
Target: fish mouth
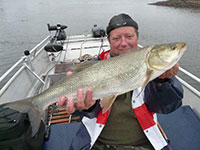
183,48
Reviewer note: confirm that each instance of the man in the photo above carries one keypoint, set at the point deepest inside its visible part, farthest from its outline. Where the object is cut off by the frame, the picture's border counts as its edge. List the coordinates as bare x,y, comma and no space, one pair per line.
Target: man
130,123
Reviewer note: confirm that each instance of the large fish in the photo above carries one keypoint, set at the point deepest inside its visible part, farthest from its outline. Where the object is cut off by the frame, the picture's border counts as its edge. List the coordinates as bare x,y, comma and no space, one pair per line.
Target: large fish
107,79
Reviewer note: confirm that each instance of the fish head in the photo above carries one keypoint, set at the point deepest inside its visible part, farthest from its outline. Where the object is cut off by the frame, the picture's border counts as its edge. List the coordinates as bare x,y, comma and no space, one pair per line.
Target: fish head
165,56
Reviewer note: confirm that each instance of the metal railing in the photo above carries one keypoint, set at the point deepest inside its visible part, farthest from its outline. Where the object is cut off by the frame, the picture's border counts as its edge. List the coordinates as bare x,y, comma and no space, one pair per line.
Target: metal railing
36,50
187,85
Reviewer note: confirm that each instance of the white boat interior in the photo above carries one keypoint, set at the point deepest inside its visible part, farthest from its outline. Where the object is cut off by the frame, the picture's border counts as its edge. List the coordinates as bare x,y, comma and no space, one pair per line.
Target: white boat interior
38,69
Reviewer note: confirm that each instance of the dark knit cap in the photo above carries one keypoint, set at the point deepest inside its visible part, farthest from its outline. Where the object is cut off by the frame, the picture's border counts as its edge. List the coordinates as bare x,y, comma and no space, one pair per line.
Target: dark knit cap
121,20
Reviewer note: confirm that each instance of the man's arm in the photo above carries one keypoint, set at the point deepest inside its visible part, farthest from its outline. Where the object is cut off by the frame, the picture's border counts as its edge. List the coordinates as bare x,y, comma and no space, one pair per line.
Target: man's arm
164,95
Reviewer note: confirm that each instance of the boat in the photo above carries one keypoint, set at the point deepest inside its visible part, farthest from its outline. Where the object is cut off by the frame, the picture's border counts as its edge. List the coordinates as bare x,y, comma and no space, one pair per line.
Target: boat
49,61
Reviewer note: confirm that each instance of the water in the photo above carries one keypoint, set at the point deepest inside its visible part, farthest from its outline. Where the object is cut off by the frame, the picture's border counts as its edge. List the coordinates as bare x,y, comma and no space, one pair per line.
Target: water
23,24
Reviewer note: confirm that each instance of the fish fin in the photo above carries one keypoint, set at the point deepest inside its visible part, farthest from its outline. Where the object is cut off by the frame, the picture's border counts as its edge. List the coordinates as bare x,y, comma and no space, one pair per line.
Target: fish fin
107,102
149,74
81,66
26,106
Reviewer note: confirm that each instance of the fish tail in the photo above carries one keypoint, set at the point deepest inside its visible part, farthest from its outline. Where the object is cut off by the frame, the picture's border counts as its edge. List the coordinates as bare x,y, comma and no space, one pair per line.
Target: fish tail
26,106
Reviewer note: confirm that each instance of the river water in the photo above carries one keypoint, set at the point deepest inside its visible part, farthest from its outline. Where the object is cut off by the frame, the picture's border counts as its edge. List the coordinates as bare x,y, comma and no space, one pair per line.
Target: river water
23,24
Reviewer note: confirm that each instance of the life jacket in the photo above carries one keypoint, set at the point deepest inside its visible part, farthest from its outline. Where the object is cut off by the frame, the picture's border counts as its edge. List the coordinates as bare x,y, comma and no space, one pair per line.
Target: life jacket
146,119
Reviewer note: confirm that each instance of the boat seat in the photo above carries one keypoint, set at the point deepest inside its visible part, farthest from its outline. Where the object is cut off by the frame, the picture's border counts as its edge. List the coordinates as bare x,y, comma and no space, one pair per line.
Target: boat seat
182,128
53,47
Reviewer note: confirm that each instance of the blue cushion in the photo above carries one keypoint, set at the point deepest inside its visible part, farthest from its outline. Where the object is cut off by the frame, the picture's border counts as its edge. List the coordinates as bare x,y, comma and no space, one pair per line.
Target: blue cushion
61,136
182,128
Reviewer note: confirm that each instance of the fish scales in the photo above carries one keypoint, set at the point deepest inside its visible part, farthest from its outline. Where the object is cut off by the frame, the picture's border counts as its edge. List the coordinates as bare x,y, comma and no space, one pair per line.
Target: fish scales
108,74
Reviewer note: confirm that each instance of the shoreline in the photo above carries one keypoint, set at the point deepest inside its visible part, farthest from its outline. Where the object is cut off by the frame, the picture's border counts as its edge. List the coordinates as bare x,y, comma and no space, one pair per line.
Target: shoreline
194,4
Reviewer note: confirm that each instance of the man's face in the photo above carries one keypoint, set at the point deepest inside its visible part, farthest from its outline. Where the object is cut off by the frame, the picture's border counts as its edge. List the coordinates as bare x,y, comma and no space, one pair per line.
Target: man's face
123,40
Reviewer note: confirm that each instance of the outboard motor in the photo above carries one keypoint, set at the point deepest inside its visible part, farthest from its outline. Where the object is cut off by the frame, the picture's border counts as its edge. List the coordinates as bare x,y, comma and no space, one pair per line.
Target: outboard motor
97,31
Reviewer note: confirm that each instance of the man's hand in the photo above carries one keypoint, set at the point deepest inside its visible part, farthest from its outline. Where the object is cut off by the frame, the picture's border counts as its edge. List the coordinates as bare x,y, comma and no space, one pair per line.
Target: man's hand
170,73
84,101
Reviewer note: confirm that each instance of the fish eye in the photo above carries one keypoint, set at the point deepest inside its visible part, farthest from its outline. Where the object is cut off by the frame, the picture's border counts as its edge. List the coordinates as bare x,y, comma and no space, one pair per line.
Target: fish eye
173,47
